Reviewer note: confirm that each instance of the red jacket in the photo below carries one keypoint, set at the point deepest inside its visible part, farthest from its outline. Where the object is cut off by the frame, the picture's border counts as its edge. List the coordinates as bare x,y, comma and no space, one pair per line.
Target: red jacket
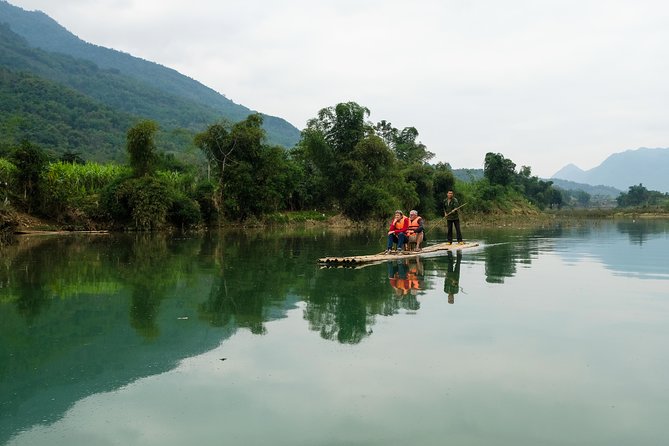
401,225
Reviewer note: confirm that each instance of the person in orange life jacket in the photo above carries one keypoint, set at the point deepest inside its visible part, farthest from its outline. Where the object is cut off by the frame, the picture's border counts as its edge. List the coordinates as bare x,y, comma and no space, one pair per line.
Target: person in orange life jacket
415,231
397,232
398,278
450,205
415,276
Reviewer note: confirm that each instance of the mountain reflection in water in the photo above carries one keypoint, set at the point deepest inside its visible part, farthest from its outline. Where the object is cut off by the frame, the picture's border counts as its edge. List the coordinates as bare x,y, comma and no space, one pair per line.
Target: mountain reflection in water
82,315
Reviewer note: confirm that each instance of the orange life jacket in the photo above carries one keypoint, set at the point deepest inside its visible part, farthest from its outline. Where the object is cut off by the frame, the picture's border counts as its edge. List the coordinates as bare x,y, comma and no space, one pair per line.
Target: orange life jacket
412,278
400,224
413,225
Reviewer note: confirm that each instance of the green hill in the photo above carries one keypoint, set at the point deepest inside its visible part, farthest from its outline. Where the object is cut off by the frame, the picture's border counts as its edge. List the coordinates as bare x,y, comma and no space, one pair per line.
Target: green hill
58,118
119,80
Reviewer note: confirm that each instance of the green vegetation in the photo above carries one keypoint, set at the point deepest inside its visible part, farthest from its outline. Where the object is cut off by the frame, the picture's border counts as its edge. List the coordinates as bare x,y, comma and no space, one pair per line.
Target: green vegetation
57,118
108,89
639,197
343,164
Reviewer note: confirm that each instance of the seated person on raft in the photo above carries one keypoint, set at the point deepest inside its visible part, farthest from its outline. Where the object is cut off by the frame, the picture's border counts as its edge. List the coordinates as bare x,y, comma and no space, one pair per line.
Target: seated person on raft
415,230
397,232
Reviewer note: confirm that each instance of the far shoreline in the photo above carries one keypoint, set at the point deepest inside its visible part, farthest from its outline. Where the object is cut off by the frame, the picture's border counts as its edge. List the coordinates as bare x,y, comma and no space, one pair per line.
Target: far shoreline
33,226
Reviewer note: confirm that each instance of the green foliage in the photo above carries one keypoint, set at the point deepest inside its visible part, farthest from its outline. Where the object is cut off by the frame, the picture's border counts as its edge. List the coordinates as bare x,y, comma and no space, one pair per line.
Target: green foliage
30,161
183,183
639,195
329,141
421,178
69,187
184,212
140,202
72,157
540,193
71,104
204,196
403,143
498,170
57,118
8,173
355,165
443,182
342,126
259,186
252,178
368,200
141,147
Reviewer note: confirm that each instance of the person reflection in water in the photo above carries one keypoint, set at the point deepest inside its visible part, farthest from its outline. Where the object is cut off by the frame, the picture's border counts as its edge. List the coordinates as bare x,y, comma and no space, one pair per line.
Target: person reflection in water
452,282
405,277
397,276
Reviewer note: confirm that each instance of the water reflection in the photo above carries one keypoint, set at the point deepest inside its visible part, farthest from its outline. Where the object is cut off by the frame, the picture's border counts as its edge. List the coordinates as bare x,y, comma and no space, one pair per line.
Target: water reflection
405,276
83,315
641,254
506,250
641,231
452,280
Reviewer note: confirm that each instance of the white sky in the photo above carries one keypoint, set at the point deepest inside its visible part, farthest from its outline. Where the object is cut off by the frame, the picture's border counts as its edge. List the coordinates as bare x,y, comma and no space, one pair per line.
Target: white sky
543,82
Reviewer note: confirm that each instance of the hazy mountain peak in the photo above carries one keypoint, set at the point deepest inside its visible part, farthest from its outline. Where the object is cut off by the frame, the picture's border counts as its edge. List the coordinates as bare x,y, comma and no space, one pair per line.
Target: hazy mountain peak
647,166
570,172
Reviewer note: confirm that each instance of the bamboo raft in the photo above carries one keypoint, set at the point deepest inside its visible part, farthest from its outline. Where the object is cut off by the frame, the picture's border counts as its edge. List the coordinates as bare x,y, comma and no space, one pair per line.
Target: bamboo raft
356,260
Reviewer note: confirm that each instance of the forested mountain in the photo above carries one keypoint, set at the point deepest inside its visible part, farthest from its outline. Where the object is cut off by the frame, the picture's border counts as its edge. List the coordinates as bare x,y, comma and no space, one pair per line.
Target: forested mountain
118,80
622,170
58,118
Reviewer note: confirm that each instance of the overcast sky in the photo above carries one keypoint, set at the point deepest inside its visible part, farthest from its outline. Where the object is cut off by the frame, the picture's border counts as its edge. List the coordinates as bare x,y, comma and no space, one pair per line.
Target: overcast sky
543,82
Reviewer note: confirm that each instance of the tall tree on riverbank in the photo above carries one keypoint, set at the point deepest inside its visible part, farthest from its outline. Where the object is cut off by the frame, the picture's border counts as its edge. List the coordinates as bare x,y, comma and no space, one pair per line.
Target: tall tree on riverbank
141,146
250,178
30,161
356,168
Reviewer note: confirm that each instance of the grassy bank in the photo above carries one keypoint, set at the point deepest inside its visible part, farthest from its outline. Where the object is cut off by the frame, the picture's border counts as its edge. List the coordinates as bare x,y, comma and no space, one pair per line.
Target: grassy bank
11,221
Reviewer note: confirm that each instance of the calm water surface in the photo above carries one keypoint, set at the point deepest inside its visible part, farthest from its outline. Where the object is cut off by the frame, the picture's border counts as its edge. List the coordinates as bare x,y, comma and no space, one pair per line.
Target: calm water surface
553,336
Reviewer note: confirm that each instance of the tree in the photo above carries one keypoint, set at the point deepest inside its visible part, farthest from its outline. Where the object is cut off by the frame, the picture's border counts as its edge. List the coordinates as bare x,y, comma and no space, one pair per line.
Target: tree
443,181
30,161
329,141
343,126
499,170
223,144
636,196
408,149
582,198
250,177
141,147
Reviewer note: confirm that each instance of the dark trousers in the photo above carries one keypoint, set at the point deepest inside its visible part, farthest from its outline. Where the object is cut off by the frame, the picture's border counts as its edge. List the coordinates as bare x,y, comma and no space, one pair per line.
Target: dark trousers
399,239
458,234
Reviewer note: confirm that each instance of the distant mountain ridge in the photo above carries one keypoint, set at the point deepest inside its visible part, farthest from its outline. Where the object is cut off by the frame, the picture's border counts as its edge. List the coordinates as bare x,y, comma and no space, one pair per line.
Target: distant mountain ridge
621,170
132,76
602,191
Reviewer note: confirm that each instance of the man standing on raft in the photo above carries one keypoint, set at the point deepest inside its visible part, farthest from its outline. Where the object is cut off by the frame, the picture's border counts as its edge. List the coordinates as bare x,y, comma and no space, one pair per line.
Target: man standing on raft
451,206
397,232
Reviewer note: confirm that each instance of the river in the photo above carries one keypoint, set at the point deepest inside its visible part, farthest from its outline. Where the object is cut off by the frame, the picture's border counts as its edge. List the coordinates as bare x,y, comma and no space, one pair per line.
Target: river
545,336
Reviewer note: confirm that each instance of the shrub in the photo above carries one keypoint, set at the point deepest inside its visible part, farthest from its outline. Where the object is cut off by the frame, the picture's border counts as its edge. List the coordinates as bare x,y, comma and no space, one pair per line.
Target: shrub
205,196
141,202
184,212
8,172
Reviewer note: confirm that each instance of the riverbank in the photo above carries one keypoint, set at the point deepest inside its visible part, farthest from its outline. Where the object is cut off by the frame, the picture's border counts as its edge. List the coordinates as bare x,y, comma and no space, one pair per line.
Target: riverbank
18,223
